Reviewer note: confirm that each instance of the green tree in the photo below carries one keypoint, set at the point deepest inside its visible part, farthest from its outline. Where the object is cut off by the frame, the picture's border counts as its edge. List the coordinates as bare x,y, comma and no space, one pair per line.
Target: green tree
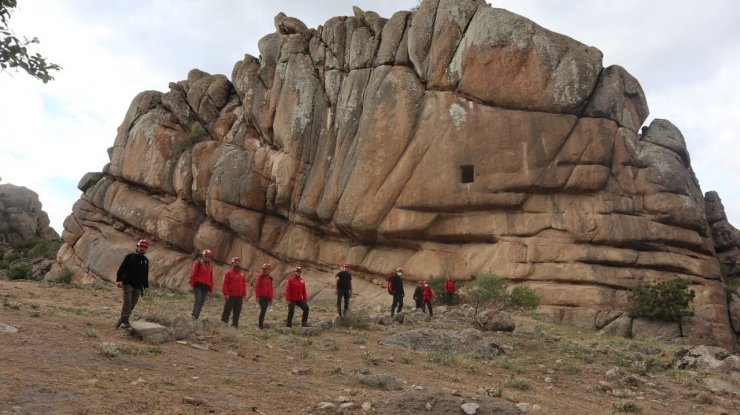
14,51
664,301
489,292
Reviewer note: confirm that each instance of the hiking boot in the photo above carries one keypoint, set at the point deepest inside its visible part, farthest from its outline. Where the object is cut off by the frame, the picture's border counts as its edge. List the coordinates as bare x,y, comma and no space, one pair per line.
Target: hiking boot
124,326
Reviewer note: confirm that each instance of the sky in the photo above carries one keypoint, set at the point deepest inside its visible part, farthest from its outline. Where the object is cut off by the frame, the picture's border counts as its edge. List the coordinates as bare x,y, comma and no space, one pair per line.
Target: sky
685,54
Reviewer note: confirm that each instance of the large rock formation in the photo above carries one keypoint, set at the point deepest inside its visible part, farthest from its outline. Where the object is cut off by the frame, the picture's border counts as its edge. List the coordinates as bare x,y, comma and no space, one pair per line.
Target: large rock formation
726,237
456,139
22,221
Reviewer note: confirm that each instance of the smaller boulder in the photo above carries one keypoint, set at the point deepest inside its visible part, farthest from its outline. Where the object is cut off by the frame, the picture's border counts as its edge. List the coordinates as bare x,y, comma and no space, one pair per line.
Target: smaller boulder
151,332
496,321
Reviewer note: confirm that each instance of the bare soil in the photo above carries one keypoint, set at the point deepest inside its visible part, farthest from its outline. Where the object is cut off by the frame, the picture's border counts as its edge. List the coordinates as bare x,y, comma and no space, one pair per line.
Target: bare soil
57,364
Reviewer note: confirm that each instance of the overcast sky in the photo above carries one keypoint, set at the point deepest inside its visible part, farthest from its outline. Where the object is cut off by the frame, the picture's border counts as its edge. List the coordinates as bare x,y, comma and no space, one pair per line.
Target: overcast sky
686,55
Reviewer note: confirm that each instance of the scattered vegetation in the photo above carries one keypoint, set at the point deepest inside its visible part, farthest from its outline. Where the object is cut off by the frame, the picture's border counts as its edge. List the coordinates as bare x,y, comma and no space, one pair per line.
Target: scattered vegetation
91,333
358,320
371,359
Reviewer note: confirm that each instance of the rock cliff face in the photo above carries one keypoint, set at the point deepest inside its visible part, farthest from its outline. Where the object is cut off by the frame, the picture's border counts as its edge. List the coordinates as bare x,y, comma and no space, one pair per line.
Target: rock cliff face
22,221
456,139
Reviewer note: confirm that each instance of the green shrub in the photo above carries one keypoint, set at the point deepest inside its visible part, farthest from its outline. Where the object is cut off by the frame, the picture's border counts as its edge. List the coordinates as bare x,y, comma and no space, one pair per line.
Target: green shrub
520,384
524,297
11,255
625,405
489,291
664,301
19,272
39,249
4,264
64,276
436,283
196,133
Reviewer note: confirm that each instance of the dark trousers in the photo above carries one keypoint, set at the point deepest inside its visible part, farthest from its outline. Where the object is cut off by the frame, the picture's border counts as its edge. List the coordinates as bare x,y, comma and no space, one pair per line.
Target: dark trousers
397,303
428,305
201,292
448,298
291,309
342,294
419,303
263,302
130,298
232,304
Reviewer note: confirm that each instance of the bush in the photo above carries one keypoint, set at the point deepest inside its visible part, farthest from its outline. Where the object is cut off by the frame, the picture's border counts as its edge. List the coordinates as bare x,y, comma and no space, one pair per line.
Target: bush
109,349
11,255
524,297
39,249
19,272
437,283
4,264
65,276
664,301
489,291
196,132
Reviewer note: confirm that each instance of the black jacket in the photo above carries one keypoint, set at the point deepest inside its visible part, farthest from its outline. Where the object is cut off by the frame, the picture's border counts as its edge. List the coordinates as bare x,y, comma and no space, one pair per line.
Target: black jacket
344,280
134,271
397,285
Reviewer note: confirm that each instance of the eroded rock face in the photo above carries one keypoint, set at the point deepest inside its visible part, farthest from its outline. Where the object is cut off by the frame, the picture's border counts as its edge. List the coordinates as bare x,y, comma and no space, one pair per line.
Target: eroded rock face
457,139
22,220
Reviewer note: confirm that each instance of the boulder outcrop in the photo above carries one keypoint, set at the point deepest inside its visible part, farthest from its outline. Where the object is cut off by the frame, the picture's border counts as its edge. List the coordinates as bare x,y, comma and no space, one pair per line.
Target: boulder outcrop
22,221
459,138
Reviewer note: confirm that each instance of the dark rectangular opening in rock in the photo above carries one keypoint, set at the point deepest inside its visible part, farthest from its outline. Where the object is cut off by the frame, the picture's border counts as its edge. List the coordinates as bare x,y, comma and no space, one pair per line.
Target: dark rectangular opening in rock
467,174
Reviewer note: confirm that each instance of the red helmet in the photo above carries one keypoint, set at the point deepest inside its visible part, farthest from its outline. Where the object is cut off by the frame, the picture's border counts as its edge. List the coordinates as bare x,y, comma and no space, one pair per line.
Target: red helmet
298,270
143,243
266,266
399,269
236,260
346,265
206,253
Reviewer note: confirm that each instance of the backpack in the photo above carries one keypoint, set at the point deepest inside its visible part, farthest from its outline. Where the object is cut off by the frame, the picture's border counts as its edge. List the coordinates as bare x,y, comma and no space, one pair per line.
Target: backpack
389,285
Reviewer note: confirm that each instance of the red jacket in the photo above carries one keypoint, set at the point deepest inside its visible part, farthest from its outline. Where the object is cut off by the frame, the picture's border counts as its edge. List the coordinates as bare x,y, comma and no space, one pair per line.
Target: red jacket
427,294
449,286
234,284
295,289
263,286
202,273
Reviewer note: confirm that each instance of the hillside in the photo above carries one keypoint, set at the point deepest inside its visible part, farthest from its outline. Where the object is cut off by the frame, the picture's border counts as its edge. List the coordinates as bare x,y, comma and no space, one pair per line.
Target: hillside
55,363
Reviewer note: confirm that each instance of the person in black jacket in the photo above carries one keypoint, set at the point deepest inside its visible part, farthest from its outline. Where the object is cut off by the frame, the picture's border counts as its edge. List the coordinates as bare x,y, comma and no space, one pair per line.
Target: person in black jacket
133,277
397,291
417,294
343,287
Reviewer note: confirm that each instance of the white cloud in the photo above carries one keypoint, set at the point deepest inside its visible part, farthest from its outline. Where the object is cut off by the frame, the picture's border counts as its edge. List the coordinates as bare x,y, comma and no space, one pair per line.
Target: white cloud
684,53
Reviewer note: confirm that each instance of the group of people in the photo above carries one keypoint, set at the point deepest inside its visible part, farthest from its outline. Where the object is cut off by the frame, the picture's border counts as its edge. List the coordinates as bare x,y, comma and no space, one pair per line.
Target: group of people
423,294
133,278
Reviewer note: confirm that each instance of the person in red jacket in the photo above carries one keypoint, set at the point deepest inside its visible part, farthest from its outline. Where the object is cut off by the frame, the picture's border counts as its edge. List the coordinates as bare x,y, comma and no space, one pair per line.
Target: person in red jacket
201,281
449,290
234,288
426,297
295,295
263,292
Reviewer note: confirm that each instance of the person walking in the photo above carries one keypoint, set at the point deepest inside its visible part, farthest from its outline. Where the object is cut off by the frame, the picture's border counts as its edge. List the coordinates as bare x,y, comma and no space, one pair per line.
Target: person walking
449,290
343,288
263,292
426,297
396,282
234,288
133,278
295,295
201,281
417,294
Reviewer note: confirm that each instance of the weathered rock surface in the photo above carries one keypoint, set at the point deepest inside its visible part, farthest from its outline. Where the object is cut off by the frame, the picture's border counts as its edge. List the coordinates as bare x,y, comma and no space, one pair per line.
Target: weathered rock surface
459,138
22,221
468,341
726,237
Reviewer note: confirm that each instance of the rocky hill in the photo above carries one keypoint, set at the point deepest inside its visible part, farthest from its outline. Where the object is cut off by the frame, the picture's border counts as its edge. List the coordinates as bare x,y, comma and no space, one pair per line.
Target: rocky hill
22,221
459,138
